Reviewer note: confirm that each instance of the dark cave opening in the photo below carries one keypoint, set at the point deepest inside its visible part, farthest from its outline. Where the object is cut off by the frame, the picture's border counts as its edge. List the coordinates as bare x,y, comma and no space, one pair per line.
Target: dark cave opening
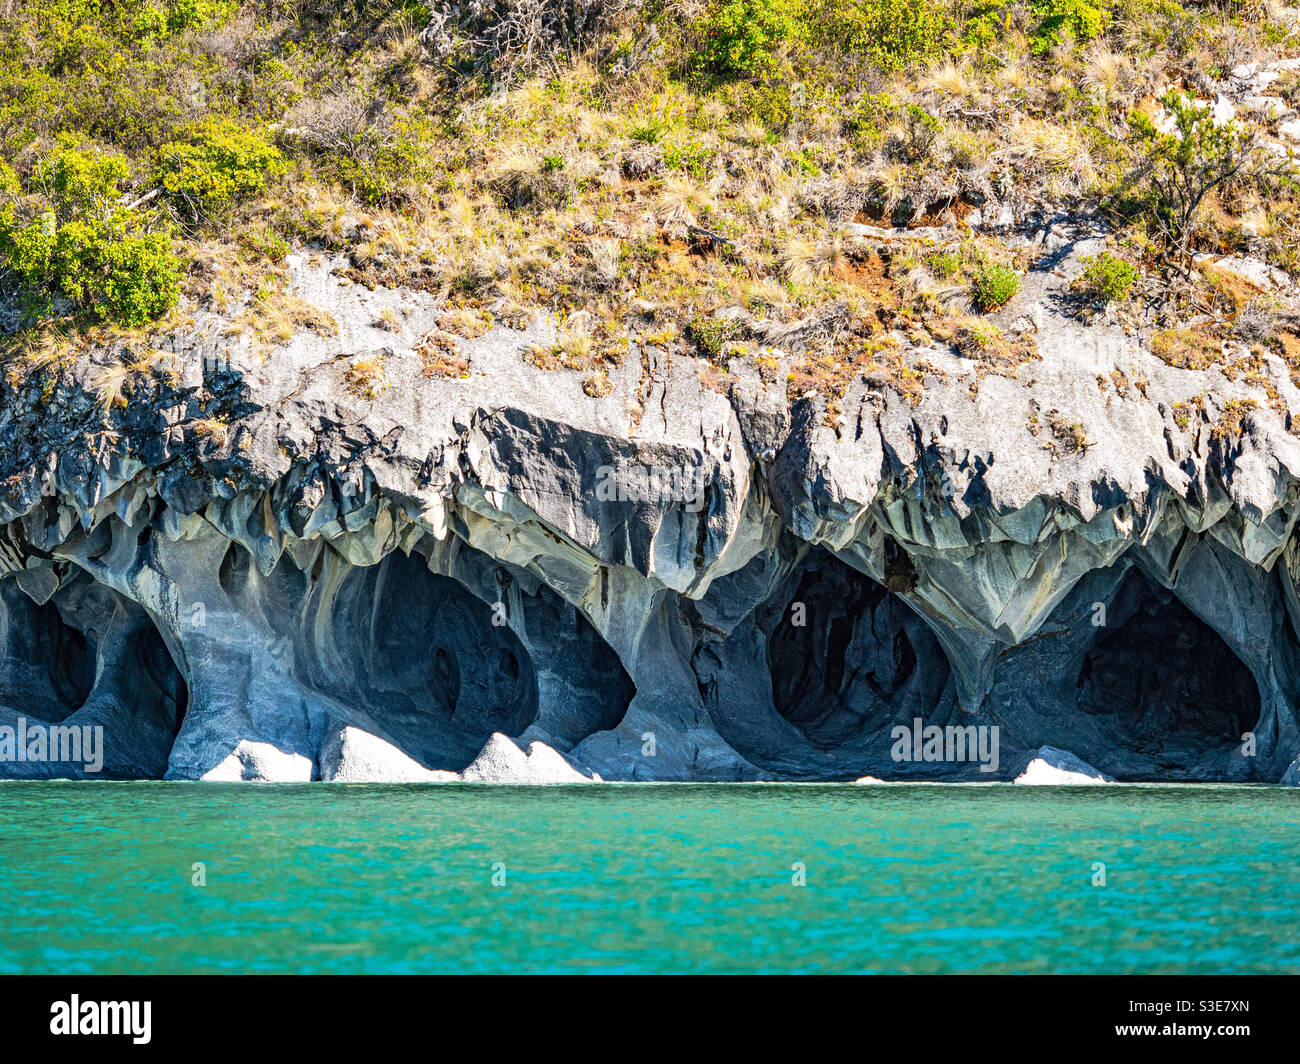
438,669
440,666
1167,682
165,684
48,665
844,651
91,657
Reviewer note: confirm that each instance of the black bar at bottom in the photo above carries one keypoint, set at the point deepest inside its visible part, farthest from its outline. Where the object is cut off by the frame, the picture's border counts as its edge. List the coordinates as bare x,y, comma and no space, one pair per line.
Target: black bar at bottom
1055,1015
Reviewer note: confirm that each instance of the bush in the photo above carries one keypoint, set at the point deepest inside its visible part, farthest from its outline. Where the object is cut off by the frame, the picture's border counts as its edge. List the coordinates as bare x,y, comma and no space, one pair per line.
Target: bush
373,155
1076,19
199,14
1183,166
511,38
993,287
891,33
741,38
1109,277
127,278
218,162
382,178
9,185
944,264
710,335
84,245
919,132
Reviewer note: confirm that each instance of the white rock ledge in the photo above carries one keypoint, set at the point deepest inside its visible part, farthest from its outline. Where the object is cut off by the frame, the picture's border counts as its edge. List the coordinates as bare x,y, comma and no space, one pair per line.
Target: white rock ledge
501,761
355,756
1052,767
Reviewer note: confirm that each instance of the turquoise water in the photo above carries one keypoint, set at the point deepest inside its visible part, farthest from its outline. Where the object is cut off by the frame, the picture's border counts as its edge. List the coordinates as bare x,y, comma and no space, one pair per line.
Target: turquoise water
97,877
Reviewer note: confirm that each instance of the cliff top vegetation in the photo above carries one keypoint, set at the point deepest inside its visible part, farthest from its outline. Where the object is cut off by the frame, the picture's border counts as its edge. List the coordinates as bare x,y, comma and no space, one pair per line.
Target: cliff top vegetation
707,175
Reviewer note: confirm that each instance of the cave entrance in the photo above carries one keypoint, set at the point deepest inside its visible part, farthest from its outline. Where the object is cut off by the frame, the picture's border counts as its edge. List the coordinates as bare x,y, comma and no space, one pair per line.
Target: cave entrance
441,677
1171,688
47,667
158,681
437,669
89,657
846,653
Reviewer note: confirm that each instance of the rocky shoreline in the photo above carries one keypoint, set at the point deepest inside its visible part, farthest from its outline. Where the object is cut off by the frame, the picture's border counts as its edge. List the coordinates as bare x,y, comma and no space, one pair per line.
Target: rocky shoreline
255,569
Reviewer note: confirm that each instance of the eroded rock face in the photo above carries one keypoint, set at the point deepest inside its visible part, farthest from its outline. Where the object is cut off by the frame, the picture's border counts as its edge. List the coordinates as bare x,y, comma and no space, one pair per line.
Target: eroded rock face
86,659
438,583
811,683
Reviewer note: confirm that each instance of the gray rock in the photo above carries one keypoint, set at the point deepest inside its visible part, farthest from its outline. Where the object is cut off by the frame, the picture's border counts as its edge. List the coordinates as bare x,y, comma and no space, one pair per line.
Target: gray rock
1051,767
457,570
1260,274
262,762
354,756
501,761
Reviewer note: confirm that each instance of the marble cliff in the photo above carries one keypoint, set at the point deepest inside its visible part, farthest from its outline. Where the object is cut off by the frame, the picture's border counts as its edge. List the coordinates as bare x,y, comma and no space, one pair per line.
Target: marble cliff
251,569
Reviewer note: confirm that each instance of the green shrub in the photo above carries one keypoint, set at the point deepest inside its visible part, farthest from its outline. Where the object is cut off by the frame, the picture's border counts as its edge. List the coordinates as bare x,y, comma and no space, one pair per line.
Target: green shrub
127,278
944,264
84,245
1109,277
710,335
380,166
149,23
9,185
920,132
82,182
690,157
199,14
1076,19
218,162
891,33
650,132
993,287
264,243
1183,166
741,38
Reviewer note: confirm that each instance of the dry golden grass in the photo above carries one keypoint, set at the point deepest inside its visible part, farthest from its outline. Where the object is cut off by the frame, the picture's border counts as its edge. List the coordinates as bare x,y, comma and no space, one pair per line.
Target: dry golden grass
366,378
1187,348
806,262
469,322
950,79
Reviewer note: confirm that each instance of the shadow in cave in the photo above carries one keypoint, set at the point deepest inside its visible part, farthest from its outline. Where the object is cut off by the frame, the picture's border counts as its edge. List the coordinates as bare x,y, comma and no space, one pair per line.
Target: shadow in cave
841,655
47,668
437,670
811,685
90,658
1163,682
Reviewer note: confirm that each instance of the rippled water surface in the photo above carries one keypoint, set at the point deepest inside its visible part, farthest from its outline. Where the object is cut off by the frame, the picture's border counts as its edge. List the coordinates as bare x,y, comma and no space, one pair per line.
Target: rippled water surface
97,877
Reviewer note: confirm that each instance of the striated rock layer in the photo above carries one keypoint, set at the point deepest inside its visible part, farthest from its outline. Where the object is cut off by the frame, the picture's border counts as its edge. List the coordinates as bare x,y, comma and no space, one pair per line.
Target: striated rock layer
249,571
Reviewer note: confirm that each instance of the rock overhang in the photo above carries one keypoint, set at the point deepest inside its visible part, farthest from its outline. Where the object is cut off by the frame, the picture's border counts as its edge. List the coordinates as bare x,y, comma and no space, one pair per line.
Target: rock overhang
978,524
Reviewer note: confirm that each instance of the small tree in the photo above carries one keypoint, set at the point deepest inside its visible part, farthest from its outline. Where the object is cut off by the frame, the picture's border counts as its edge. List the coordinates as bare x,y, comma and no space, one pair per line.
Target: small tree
218,163
1108,277
1182,166
73,237
743,38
